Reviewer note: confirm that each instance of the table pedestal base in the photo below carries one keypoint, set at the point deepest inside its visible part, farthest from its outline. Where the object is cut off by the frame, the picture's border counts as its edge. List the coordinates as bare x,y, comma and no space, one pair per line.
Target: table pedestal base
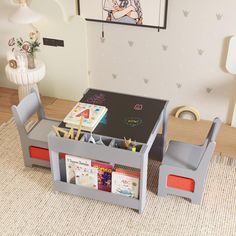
24,90
26,79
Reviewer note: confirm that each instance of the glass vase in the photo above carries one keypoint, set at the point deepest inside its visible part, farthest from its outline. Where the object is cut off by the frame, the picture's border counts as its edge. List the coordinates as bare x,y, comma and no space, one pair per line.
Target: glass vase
31,61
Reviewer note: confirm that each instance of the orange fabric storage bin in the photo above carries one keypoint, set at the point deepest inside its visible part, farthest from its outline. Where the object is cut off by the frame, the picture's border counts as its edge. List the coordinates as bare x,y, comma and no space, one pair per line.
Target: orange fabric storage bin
41,153
174,181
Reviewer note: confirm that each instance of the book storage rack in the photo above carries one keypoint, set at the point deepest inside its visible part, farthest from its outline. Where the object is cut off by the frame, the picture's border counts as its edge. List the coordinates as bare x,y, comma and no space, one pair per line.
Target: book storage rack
140,118
106,153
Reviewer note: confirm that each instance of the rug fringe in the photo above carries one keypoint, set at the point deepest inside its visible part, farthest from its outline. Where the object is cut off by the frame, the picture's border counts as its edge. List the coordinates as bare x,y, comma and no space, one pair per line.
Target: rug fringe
226,160
4,124
11,122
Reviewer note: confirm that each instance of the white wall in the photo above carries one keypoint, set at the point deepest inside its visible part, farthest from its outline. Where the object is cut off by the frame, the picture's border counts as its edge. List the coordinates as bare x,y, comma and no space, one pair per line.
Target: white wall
7,31
66,75
178,73
184,63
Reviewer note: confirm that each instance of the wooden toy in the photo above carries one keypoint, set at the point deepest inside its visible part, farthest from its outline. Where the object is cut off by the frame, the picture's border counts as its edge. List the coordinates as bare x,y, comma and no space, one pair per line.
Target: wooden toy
59,130
79,129
129,144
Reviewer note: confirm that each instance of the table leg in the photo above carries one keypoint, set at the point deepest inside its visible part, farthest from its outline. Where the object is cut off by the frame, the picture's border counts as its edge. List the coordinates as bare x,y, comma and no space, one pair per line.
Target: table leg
159,145
24,90
164,132
143,183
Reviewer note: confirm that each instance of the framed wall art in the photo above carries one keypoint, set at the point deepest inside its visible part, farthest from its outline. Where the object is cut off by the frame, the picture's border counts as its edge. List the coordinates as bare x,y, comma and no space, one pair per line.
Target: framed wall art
146,13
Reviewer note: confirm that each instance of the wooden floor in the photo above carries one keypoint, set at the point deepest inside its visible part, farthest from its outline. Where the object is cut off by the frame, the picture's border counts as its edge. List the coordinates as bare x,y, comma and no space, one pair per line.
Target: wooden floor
178,129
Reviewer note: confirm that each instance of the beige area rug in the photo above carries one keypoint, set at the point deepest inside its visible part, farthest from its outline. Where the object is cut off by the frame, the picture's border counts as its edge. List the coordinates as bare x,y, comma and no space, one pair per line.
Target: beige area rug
29,207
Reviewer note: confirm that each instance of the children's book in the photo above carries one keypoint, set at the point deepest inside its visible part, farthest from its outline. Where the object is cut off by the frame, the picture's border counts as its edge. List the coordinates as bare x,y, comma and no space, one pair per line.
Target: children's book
86,176
125,185
71,163
128,172
104,175
92,115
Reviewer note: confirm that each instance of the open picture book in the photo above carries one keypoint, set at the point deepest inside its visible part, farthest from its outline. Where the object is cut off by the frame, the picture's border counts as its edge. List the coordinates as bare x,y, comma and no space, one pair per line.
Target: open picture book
92,115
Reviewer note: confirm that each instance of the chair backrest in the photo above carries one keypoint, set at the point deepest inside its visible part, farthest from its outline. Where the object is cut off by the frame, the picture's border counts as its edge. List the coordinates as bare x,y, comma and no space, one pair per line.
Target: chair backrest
215,127
210,144
27,107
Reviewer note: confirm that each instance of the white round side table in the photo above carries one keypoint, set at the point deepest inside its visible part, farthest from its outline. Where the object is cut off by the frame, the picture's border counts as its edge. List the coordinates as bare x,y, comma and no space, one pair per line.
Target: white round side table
26,79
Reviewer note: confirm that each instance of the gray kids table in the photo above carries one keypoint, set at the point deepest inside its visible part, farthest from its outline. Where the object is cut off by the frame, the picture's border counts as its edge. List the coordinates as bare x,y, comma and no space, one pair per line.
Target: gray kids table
138,118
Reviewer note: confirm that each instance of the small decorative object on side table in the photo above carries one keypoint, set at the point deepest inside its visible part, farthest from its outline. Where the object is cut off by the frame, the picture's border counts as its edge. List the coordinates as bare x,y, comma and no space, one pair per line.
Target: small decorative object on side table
28,47
26,79
31,61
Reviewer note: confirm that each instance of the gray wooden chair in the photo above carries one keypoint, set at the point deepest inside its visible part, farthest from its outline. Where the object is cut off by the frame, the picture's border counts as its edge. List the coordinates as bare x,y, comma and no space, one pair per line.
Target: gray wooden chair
183,170
34,142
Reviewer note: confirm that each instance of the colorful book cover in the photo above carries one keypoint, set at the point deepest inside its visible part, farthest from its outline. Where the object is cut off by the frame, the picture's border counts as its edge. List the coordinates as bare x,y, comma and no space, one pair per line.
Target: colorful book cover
92,115
71,163
86,176
128,172
104,175
125,185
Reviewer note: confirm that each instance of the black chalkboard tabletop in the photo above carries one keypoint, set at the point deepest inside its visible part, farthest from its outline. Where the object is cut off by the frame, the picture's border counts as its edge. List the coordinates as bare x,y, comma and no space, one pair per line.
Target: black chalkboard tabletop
127,116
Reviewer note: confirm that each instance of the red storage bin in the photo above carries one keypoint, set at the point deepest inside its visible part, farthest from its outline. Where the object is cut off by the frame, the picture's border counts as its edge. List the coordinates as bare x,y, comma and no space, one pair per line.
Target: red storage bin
174,181
42,153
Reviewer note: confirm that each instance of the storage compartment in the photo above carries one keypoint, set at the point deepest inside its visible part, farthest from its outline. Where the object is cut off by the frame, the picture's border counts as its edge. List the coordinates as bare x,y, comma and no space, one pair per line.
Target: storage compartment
124,195
88,173
179,182
42,153
62,167
119,143
126,181
96,139
39,153
100,176
75,133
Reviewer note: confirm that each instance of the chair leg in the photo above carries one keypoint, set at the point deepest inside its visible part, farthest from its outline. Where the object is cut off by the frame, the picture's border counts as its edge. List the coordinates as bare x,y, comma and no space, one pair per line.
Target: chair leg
26,157
162,184
198,191
196,199
161,192
27,163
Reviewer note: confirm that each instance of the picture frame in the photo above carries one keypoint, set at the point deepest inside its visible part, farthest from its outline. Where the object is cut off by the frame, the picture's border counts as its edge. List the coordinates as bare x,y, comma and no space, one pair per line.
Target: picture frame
141,13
